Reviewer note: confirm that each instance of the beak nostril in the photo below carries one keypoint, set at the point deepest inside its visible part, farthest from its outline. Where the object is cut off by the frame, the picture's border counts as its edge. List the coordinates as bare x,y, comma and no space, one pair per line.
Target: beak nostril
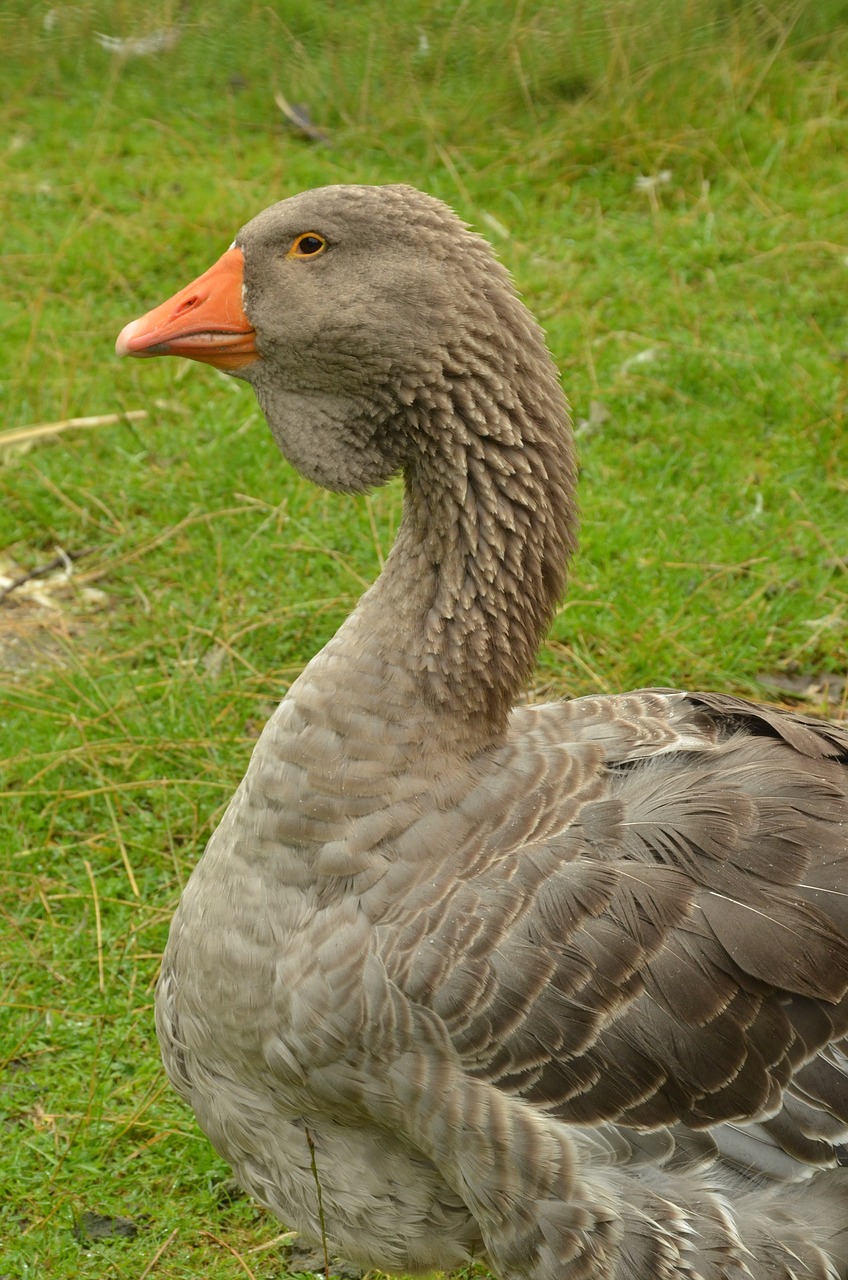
186,305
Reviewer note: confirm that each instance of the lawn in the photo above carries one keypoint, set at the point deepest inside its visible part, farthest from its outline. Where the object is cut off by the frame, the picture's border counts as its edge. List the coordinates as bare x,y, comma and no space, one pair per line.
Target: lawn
668,184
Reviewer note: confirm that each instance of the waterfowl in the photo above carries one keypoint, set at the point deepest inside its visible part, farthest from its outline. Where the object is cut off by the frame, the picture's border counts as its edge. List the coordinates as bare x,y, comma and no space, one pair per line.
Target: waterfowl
558,987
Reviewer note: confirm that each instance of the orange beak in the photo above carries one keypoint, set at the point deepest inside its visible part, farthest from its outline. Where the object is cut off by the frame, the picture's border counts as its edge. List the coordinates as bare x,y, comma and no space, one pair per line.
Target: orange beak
204,321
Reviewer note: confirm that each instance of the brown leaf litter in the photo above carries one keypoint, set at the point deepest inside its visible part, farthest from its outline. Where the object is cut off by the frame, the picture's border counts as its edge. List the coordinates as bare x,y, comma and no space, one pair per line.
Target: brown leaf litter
43,609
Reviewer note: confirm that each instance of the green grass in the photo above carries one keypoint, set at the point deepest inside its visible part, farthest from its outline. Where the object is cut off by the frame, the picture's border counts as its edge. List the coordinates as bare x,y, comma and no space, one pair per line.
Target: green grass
701,329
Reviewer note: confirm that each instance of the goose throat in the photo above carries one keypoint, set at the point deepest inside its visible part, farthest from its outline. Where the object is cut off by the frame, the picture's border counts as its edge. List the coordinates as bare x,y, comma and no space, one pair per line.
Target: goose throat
479,563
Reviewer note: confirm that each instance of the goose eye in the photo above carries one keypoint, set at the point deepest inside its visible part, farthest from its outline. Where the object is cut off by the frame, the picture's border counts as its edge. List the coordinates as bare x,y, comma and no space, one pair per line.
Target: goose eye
309,245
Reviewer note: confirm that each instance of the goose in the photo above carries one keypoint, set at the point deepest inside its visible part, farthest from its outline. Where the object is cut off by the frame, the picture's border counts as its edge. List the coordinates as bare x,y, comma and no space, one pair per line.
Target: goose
559,988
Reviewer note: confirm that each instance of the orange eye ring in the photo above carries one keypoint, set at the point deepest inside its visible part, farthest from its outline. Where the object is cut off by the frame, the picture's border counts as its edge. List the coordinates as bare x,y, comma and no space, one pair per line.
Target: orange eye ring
308,245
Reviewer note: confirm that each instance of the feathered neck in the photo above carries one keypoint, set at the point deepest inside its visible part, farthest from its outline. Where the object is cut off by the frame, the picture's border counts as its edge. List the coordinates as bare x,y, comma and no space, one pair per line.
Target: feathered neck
489,523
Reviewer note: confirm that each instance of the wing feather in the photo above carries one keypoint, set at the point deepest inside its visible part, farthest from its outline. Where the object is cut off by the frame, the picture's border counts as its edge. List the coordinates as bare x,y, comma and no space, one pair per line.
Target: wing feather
666,921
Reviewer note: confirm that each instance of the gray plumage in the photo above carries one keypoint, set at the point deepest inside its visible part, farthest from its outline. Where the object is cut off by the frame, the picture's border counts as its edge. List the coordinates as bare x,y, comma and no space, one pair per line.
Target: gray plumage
559,987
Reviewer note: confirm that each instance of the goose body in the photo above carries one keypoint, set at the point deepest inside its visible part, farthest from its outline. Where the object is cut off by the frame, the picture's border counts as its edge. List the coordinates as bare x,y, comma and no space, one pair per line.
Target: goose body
562,988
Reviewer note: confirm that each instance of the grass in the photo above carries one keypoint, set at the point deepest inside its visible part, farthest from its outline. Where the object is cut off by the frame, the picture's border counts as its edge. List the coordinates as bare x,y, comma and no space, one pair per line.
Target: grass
667,184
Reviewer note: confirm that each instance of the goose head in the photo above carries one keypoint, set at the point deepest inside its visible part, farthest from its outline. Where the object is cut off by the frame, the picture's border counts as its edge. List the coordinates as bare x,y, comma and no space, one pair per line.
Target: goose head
355,312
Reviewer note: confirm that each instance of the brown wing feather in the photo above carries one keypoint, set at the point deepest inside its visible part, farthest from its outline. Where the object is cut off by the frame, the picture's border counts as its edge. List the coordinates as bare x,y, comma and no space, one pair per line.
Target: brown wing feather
674,948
